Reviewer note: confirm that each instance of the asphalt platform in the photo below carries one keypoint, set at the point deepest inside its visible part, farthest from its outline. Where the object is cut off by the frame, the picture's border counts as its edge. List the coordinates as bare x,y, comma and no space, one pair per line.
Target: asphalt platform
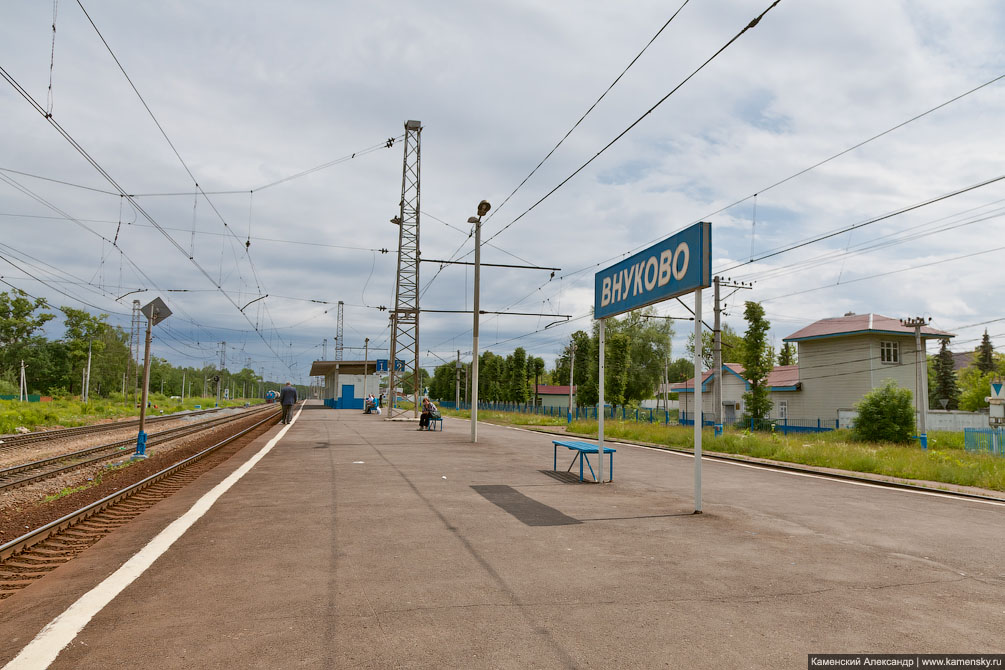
358,542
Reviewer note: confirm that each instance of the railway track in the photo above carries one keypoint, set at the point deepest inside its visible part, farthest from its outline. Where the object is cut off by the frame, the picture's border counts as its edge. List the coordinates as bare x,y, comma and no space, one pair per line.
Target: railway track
36,553
11,441
27,473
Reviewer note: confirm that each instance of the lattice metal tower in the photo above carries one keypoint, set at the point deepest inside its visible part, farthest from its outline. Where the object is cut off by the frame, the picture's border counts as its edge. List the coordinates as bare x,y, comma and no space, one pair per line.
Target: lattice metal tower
135,335
405,317
338,333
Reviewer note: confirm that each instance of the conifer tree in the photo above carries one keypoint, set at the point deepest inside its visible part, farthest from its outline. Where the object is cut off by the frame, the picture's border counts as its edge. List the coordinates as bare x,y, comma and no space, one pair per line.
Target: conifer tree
945,379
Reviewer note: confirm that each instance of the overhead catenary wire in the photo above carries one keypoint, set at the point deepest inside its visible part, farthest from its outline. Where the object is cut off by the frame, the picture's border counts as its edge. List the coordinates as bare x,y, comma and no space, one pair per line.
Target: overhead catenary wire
97,166
753,23
587,112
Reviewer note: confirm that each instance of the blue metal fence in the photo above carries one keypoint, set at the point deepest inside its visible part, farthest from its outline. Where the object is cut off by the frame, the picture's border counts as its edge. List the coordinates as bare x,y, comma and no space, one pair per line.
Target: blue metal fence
991,440
784,426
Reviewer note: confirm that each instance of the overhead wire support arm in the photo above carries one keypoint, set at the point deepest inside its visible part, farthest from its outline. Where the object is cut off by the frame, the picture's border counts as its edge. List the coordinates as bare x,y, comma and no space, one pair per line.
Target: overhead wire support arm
486,311
491,265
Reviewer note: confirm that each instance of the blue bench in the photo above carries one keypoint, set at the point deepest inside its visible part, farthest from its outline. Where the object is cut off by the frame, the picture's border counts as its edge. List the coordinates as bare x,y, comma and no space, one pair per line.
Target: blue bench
582,449
434,420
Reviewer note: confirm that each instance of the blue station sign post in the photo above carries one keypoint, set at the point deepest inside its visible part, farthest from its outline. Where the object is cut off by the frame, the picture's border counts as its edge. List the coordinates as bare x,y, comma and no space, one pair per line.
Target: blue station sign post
675,266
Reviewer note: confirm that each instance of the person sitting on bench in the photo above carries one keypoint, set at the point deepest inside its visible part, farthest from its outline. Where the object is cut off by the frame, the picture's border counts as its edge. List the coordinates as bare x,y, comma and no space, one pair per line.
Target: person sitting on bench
429,411
368,405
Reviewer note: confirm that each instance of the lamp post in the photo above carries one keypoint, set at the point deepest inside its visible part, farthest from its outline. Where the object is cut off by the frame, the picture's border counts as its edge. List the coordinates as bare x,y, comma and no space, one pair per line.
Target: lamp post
366,365
483,209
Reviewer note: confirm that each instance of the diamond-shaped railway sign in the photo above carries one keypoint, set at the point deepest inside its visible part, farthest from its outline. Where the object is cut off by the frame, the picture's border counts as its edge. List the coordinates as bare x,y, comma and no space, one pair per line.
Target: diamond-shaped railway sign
156,311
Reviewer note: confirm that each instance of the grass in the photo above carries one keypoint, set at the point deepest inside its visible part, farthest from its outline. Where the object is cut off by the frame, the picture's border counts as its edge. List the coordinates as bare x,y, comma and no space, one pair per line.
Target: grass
69,490
72,412
944,461
507,418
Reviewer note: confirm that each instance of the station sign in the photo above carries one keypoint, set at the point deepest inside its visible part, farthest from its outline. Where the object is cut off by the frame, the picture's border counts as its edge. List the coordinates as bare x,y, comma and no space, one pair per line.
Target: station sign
677,265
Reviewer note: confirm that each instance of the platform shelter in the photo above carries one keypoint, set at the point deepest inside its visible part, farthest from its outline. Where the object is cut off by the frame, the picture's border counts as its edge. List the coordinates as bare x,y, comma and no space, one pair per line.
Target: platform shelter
347,383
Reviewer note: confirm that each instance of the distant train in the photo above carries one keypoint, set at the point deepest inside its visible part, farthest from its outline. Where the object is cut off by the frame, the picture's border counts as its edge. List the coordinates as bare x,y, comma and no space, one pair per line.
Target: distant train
270,396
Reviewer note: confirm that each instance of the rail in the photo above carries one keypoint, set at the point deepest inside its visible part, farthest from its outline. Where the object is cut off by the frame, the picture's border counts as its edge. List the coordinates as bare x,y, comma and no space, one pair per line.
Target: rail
45,532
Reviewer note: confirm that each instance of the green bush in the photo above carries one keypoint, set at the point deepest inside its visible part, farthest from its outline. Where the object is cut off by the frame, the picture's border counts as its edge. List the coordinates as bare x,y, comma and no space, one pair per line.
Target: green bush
885,414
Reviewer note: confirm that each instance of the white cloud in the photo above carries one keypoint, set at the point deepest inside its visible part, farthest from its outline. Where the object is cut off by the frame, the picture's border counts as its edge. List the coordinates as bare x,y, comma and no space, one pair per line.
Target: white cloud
253,96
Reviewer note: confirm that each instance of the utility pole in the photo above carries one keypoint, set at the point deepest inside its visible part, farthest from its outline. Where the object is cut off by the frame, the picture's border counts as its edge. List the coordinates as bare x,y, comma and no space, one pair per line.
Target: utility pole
24,384
87,374
457,382
183,372
717,349
219,377
572,367
405,315
920,378
134,346
666,385
717,360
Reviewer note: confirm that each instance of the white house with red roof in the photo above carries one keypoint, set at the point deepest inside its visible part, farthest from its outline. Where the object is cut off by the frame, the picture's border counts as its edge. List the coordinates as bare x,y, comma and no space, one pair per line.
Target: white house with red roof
782,382
555,396
839,361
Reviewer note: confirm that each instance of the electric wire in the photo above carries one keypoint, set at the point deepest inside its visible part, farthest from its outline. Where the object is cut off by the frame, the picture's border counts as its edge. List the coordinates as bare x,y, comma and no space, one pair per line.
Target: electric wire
590,109
753,23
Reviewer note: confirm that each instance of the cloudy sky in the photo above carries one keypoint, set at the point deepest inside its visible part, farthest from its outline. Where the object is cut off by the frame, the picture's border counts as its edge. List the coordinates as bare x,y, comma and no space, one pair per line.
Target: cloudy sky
248,94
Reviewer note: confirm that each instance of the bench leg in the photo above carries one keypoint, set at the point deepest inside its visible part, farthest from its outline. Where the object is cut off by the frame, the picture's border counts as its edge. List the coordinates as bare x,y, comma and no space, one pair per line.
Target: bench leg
612,467
589,466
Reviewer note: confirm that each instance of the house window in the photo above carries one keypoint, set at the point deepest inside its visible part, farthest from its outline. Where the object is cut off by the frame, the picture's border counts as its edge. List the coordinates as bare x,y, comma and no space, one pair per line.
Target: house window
889,352
783,409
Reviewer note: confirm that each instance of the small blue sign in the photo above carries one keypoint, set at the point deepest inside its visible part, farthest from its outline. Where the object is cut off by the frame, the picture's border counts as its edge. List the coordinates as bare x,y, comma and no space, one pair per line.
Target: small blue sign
399,364
381,365
675,266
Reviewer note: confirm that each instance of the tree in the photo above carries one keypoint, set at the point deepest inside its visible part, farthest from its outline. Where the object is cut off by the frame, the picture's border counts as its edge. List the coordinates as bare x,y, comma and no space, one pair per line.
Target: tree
617,356
648,349
517,376
581,371
885,414
732,347
787,356
974,387
681,370
20,319
647,343
442,386
536,365
757,361
985,354
945,379
407,387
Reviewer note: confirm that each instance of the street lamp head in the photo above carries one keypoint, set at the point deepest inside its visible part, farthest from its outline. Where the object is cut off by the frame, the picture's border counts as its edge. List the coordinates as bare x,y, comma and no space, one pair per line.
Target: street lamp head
484,207
474,219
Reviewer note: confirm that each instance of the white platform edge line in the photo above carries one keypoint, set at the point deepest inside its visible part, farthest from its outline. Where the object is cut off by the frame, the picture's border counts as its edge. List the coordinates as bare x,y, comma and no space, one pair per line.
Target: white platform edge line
61,631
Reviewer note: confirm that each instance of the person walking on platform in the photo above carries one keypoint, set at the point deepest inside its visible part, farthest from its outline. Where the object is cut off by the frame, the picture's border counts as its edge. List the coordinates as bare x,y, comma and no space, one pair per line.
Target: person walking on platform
288,398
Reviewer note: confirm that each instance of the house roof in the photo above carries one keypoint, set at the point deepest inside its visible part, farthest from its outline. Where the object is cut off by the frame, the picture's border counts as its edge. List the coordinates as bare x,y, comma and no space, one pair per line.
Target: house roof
859,324
782,377
320,368
546,389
